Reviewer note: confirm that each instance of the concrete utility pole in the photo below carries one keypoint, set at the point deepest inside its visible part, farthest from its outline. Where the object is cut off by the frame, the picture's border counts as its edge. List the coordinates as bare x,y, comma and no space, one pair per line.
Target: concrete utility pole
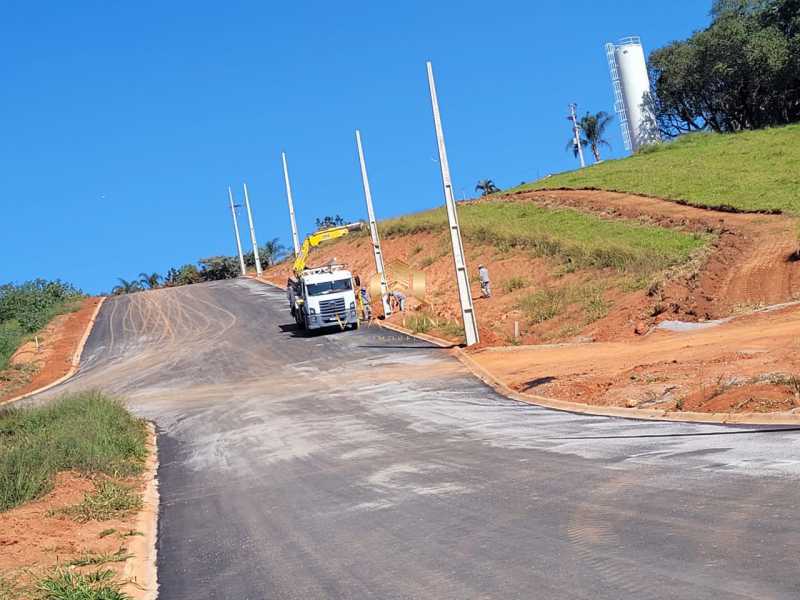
252,231
462,276
576,131
236,231
373,230
295,240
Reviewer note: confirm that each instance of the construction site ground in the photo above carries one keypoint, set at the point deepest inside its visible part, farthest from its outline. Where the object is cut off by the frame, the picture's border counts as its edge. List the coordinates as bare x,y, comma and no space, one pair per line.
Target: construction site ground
746,363
371,464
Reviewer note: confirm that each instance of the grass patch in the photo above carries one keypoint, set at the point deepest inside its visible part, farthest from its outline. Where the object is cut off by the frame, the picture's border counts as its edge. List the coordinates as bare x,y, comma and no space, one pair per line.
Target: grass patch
452,329
89,432
109,500
514,283
543,305
88,559
577,239
548,303
68,584
419,322
750,171
427,262
423,322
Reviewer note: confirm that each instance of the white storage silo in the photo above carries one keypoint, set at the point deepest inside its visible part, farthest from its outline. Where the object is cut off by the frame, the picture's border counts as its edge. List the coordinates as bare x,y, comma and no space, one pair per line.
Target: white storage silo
631,84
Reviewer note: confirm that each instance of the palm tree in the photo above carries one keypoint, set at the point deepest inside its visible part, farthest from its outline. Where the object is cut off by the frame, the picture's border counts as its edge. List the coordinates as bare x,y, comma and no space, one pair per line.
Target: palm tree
126,287
486,187
592,129
152,280
272,252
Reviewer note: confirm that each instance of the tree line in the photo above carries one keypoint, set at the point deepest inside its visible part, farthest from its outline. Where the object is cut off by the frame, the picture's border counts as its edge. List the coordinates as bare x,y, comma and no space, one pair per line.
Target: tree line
741,72
213,268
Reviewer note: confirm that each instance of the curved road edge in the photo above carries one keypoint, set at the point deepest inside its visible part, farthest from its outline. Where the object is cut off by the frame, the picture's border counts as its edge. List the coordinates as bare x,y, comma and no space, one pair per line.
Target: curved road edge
141,569
75,362
635,414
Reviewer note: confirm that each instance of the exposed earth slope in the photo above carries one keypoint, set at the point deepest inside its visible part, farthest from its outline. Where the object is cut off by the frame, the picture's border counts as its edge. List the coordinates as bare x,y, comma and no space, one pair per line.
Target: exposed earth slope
750,262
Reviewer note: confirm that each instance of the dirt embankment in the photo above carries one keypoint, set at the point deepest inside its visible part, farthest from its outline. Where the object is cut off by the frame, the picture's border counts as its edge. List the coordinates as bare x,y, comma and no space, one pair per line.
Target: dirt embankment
49,356
751,263
750,364
39,535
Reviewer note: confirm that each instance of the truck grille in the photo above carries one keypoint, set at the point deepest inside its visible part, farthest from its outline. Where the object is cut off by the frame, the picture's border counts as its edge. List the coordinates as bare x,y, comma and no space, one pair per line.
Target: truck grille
330,309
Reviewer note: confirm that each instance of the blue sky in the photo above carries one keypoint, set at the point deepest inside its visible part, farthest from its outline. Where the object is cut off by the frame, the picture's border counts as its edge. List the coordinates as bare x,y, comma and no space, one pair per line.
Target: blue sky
123,123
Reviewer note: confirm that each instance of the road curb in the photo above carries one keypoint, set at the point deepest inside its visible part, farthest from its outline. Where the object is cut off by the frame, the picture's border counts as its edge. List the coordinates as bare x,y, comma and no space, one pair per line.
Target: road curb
421,336
635,414
75,362
141,569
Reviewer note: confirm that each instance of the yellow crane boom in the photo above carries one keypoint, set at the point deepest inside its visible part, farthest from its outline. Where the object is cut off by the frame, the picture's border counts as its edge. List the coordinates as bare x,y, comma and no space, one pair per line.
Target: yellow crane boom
323,235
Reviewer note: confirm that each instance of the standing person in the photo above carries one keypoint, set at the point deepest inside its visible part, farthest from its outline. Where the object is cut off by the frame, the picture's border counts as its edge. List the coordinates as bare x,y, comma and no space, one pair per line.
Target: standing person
483,275
366,302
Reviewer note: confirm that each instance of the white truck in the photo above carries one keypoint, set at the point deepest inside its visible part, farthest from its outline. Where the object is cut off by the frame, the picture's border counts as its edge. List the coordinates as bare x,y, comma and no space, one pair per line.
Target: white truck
323,296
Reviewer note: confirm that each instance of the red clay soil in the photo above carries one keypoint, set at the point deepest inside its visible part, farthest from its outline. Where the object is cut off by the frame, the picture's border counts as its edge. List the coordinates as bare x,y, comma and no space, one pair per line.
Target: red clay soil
754,261
58,342
750,364
751,263
33,540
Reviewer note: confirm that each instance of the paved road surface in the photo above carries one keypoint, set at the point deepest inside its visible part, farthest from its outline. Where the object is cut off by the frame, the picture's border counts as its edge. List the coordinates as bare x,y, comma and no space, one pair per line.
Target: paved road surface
368,465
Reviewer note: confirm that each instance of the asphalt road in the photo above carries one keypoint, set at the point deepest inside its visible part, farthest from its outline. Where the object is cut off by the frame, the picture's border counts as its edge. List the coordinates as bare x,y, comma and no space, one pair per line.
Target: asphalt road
369,465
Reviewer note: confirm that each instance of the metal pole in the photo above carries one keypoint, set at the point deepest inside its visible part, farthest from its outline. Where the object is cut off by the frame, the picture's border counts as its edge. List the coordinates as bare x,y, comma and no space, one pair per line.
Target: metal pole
462,276
252,231
295,240
236,231
576,132
373,230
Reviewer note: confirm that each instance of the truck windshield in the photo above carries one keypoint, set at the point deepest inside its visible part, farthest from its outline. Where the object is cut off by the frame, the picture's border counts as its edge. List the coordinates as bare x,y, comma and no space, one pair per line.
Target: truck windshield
329,287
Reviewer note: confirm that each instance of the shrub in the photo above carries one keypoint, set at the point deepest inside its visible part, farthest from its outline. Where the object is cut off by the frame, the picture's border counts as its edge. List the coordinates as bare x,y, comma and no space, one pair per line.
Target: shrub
88,432
515,283
34,303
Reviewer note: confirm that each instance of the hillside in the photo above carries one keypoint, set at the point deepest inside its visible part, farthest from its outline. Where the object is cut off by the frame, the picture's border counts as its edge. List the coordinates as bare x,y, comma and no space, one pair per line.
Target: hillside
582,265
748,171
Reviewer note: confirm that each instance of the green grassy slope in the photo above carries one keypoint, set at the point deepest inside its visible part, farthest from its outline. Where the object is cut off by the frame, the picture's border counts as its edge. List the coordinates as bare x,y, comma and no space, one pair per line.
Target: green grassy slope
752,171
576,238
88,432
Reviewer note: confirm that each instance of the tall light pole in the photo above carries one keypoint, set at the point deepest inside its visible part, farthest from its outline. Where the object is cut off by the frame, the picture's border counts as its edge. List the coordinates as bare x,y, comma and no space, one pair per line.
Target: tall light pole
576,132
295,240
462,276
373,230
236,232
252,231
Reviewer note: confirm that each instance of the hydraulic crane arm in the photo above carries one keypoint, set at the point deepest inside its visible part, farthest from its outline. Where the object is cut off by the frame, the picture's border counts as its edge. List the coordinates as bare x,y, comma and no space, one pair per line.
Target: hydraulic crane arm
323,235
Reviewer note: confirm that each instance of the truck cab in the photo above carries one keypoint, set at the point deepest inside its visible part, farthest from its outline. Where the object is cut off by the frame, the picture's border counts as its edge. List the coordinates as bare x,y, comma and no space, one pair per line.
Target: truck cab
324,297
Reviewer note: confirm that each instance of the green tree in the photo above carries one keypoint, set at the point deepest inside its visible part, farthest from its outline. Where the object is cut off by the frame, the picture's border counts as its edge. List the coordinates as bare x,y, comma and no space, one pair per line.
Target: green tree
126,287
151,281
592,131
486,187
185,275
215,268
270,253
328,221
742,72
